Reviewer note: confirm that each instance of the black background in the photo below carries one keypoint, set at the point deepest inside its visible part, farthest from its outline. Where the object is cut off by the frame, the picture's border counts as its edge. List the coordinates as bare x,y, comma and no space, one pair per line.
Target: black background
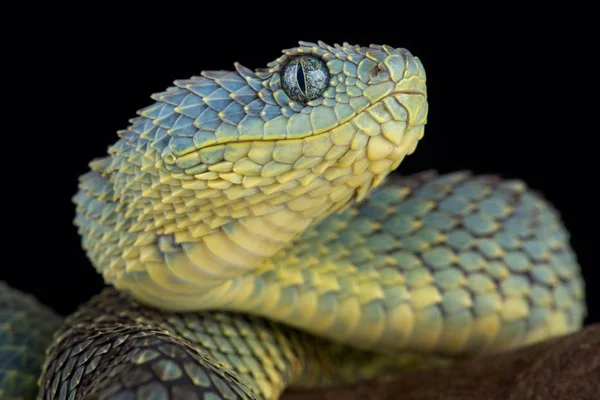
502,100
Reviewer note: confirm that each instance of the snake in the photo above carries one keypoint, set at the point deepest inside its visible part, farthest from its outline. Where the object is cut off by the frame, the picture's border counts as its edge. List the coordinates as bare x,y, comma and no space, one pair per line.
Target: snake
253,239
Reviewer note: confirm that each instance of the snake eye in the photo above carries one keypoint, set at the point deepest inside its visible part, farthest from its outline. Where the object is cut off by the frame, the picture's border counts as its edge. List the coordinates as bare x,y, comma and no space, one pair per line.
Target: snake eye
305,78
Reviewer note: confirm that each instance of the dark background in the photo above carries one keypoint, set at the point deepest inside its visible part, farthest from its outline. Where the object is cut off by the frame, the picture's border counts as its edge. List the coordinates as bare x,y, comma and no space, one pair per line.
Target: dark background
502,100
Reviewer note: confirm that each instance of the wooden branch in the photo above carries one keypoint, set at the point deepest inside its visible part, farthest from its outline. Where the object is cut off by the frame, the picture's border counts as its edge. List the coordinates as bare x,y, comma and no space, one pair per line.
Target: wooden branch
563,368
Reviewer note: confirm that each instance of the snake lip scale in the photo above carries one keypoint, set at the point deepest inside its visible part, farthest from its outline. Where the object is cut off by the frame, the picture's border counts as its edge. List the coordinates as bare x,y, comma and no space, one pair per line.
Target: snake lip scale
252,240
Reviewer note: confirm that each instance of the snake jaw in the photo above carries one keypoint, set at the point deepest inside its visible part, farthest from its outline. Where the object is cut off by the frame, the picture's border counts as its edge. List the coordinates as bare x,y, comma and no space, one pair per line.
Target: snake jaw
221,107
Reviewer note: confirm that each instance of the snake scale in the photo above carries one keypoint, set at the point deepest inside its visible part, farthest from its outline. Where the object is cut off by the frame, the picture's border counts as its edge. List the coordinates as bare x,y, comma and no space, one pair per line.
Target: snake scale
253,240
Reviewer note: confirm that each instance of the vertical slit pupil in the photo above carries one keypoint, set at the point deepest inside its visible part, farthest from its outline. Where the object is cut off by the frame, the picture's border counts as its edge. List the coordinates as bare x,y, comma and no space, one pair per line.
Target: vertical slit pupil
300,78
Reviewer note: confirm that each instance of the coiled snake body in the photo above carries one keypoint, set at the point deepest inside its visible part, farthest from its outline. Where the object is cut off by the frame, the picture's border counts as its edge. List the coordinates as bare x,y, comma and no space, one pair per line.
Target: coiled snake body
254,242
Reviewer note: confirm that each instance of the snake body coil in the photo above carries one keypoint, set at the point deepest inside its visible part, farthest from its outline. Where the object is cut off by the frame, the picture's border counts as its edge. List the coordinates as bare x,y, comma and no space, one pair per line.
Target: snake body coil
255,242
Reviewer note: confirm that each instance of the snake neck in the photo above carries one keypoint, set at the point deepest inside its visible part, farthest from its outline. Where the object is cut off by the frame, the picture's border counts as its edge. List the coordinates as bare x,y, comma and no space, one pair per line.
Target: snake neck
173,232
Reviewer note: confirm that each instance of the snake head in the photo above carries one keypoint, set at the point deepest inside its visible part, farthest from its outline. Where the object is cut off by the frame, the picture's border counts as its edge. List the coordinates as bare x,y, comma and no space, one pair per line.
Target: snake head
307,92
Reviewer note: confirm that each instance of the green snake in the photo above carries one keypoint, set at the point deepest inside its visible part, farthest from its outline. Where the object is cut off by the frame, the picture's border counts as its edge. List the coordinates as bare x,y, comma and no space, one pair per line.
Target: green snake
253,240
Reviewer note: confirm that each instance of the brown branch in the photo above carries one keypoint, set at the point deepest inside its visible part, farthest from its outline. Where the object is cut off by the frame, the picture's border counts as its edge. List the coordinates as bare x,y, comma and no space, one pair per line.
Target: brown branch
564,368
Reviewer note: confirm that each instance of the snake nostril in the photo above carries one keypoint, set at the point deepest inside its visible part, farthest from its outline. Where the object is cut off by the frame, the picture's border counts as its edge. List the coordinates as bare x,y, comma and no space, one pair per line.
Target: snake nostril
375,71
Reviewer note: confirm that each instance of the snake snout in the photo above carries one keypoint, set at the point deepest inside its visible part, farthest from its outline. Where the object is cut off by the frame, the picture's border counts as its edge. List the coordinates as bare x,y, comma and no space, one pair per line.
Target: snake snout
399,63
410,91
407,74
